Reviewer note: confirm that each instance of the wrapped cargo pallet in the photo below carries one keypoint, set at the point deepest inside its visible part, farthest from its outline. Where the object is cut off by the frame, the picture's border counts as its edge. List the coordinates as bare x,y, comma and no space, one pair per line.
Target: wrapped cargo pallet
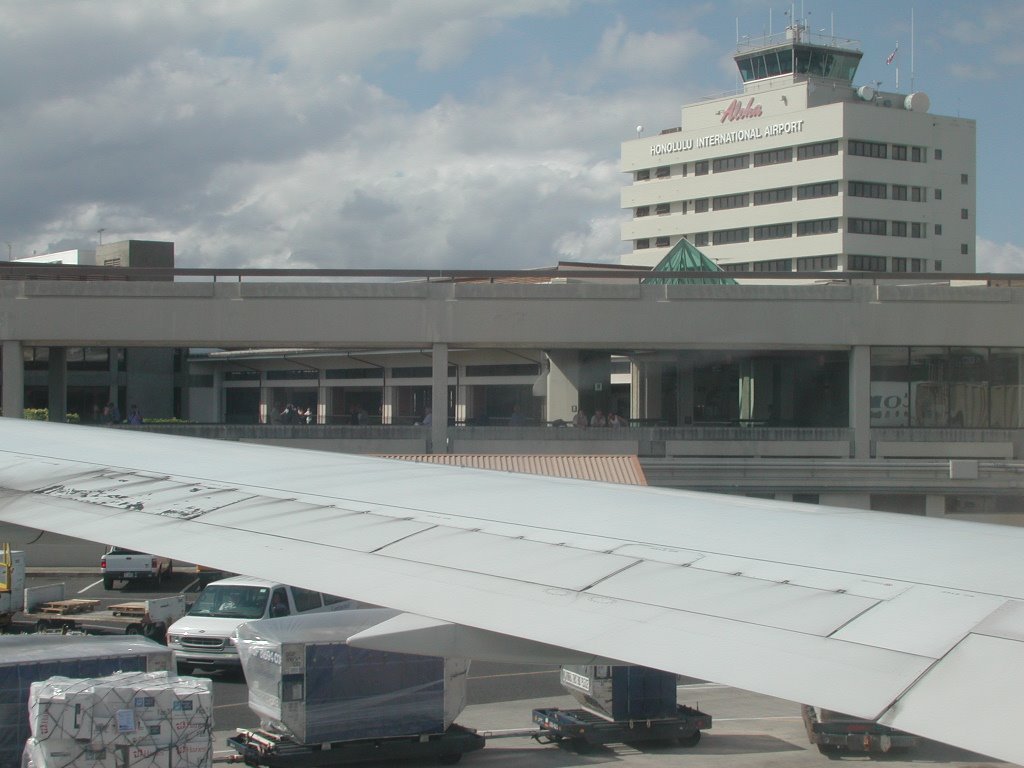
127,720
305,680
26,659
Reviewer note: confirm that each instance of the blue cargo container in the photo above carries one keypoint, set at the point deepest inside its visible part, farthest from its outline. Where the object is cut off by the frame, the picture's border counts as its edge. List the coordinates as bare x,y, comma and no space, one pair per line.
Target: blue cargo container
307,682
622,693
27,659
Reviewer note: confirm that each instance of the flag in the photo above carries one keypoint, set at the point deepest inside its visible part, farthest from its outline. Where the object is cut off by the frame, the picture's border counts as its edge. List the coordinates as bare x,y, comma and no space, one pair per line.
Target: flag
892,56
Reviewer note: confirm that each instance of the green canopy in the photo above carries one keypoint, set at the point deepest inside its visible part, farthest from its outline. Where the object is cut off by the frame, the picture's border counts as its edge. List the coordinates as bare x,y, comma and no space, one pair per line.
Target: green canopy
684,257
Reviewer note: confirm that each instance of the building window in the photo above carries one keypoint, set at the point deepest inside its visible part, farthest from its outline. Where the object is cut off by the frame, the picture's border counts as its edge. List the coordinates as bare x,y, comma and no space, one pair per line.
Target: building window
899,151
899,191
700,168
767,196
821,149
868,148
918,229
741,267
700,206
643,175
662,172
868,189
817,263
963,213
661,208
811,191
964,250
661,242
866,263
938,265
701,238
734,163
899,264
938,194
938,229
899,229
728,236
776,265
918,195
642,210
938,154
917,265
867,226
817,227
917,154
643,243
773,157
963,178
773,232
725,202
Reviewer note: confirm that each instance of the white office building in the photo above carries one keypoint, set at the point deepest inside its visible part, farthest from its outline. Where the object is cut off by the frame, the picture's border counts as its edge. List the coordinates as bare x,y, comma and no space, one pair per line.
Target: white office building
806,171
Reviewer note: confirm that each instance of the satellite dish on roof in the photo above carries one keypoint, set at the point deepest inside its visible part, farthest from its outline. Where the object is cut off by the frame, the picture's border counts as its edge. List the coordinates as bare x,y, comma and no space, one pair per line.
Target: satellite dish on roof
866,92
917,102
639,130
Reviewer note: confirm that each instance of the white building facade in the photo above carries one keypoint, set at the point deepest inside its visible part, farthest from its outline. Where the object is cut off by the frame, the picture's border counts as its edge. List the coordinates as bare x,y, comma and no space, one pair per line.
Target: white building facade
803,171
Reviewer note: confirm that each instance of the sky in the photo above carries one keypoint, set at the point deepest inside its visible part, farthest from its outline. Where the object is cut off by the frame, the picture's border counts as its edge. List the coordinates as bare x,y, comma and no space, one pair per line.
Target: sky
476,134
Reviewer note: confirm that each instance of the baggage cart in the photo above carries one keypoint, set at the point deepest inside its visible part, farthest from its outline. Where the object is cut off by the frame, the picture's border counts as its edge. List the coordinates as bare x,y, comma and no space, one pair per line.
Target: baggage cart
582,729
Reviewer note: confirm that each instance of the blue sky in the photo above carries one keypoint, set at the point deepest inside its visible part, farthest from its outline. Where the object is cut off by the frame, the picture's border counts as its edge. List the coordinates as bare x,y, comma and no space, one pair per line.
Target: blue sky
405,133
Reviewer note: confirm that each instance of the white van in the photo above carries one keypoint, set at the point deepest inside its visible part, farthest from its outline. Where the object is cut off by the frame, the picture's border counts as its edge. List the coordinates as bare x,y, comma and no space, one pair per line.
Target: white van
205,636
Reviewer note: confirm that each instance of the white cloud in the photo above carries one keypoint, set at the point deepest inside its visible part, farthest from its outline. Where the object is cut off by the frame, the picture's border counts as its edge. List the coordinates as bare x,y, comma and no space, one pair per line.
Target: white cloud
1000,257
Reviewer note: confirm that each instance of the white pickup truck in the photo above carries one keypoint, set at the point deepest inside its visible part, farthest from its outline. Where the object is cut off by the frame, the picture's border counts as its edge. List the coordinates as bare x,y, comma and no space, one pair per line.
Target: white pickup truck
120,564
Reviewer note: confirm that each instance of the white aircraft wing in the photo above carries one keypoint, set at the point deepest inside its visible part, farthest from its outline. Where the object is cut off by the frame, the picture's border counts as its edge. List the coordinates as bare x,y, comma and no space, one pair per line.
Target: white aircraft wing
898,617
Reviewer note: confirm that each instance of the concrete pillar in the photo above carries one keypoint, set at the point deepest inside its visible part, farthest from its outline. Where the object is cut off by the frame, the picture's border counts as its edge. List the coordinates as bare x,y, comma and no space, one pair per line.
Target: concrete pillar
150,381
439,400
219,397
563,382
57,384
323,404
267,406
14,380
934,505
115,375
860,400
387,406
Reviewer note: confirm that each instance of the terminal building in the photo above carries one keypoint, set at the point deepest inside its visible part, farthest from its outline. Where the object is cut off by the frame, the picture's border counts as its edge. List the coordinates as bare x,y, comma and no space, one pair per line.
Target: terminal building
805,170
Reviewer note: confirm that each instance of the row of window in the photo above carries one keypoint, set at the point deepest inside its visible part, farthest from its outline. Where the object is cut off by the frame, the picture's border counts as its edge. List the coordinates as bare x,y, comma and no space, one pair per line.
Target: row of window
855,147
855,262
869,189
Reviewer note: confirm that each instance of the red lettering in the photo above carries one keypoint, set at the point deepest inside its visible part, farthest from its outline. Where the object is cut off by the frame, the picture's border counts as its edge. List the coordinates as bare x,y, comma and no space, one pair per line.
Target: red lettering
737,111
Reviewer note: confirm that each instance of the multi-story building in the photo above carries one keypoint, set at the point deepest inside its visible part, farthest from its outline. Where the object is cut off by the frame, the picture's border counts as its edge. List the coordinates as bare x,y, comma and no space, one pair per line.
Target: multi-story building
804,171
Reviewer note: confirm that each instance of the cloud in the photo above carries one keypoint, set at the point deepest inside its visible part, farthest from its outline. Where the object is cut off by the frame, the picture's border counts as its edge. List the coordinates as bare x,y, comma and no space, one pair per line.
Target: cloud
1000,257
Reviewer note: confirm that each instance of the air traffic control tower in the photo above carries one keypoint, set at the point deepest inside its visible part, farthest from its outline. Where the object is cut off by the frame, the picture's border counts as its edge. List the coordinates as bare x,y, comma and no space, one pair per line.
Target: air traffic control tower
805,170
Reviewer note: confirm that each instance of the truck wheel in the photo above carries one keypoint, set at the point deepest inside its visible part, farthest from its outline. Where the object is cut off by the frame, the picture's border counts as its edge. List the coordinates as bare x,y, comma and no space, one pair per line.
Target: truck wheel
108,582
154,631
133,629
690,741
42,625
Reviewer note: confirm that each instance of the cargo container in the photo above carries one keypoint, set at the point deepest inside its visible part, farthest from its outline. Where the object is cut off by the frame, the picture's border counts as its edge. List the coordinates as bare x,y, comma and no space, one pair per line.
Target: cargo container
307,682
27,659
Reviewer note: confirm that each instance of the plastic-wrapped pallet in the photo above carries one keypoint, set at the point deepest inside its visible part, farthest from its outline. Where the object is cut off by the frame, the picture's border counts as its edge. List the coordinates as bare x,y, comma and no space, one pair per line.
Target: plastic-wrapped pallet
25,659
305,681
129,720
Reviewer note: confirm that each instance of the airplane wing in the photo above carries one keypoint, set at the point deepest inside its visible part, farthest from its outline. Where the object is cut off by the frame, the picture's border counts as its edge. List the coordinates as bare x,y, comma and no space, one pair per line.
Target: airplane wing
898,617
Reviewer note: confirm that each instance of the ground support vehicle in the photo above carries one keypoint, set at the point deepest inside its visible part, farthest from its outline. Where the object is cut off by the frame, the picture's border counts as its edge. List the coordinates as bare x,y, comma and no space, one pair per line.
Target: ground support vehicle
47,610
127,565
262,748
582,729
12,583
834,732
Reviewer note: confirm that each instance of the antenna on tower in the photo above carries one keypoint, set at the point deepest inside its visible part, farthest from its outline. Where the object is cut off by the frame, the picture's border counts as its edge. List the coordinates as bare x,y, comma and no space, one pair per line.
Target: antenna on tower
911,49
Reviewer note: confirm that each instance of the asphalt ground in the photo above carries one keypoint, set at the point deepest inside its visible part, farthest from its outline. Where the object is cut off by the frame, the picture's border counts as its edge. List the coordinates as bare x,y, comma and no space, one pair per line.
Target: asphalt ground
749,730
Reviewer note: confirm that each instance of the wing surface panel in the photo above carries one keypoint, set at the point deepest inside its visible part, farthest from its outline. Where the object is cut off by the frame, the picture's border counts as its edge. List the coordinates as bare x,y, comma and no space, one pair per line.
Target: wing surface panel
923,620
937,706
735,597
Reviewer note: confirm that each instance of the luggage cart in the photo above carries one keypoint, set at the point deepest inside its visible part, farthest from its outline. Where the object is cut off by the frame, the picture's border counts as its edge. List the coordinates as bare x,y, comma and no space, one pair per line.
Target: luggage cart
582,729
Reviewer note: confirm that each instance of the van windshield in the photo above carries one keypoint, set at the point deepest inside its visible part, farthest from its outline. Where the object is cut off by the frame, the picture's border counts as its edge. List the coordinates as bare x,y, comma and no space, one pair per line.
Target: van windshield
231,602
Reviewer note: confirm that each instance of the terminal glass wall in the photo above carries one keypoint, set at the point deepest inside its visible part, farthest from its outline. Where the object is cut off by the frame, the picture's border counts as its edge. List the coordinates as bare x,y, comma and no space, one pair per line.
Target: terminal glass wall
959,387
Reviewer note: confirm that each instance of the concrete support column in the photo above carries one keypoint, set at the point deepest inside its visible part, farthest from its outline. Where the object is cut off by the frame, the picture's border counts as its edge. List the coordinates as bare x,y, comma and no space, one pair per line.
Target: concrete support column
934,505
562,385
439,400
387,406
219,398
267,410
323,404
14,380
57,384
860,400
